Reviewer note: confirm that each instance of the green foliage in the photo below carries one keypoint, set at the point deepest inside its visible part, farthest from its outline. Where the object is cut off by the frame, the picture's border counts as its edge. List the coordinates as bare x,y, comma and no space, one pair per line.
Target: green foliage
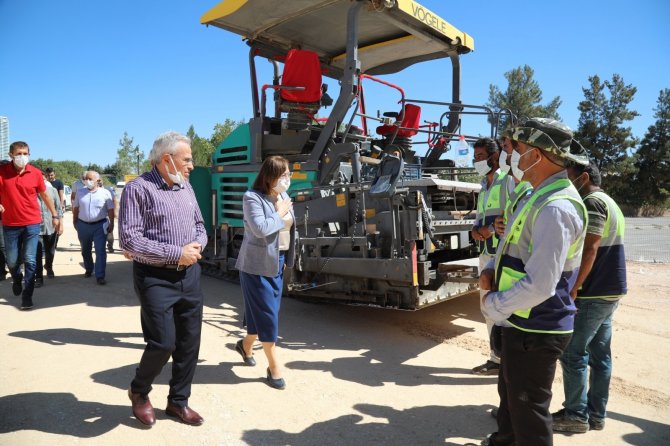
653,159
66,171
603,114
522,97
203,148
129,158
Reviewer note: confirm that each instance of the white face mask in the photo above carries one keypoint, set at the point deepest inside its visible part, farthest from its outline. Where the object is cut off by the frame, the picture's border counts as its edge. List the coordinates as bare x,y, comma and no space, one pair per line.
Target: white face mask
502,160
514,162
90,184
177,178
20,161
282,185
482,167
580,186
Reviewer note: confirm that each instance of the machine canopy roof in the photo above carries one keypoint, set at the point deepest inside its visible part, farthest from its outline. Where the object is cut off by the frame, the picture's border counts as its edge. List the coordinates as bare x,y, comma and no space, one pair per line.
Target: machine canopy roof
390,38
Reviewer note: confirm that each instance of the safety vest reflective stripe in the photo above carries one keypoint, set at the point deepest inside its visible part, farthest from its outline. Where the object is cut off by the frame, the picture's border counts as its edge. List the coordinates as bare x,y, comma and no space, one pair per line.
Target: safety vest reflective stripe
520,191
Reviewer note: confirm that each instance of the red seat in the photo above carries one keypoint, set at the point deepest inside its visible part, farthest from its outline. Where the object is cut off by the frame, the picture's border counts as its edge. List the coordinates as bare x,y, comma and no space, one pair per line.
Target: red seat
301,69
410,121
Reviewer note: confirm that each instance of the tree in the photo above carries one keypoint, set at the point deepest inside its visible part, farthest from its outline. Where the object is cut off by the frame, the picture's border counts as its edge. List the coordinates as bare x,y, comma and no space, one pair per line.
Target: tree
203,148
129,158
66,171
601,131
95,167
221,131
653,160
522,97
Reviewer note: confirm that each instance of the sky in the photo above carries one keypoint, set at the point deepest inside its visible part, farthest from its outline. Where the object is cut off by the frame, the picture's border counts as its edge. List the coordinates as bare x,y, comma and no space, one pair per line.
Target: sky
75,74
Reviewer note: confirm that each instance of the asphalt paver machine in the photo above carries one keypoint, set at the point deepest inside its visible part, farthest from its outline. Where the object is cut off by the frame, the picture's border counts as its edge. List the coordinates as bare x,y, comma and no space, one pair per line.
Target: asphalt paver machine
379,224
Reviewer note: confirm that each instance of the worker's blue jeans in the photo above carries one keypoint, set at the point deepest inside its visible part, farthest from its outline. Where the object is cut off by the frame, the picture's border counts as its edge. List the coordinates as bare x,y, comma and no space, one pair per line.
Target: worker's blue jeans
23,238
589,347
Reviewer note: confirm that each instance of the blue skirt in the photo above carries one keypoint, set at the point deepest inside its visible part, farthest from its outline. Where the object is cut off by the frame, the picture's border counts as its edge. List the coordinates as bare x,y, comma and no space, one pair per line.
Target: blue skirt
262,298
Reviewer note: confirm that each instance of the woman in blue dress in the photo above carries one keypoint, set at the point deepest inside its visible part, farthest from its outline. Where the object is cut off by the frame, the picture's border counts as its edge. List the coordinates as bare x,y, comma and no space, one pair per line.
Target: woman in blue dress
267,248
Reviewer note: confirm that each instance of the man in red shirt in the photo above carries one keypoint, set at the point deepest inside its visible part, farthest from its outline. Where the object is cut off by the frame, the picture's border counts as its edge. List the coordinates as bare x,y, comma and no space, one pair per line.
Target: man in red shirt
21,218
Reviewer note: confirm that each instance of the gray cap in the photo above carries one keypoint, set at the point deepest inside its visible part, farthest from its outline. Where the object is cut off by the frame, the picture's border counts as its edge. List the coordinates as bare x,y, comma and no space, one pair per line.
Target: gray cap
552,136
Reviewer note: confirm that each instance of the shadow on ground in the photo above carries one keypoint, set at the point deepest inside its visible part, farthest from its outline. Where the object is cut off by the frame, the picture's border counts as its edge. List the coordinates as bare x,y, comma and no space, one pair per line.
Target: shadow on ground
652,431
62,414
384,425
76,289
65,336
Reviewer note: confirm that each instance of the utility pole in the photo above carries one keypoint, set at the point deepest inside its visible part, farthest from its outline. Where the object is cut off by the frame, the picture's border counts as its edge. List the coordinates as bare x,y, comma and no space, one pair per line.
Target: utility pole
138,154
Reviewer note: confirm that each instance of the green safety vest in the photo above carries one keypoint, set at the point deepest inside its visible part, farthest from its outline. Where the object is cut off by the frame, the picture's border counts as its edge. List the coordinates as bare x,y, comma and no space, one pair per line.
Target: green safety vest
607,278
555,314
490,207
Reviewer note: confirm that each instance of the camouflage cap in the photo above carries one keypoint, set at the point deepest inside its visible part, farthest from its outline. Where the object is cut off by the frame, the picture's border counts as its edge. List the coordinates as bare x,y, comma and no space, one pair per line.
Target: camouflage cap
552,136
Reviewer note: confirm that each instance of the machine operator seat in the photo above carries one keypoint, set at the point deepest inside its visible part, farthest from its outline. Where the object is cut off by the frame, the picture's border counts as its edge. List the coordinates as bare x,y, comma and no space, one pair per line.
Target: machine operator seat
302,68
409,124
388,174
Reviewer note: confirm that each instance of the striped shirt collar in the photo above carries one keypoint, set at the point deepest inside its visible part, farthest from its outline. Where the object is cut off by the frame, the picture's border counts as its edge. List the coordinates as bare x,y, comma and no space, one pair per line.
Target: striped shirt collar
156,178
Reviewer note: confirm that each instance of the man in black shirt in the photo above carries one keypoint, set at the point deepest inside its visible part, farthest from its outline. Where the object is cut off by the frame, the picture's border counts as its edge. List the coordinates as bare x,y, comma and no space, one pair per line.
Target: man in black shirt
57,184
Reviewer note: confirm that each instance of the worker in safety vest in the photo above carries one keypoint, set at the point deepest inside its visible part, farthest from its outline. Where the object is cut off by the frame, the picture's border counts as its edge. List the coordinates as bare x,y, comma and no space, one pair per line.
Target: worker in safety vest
493,198
531,277
600,284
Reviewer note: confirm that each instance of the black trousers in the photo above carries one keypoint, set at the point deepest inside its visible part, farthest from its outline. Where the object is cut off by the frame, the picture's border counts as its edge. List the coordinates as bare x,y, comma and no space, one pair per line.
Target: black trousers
50,243
171,309
46,243
527,369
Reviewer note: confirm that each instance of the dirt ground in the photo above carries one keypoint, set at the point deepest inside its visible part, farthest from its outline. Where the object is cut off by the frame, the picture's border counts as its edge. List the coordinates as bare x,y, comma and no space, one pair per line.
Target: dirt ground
354,375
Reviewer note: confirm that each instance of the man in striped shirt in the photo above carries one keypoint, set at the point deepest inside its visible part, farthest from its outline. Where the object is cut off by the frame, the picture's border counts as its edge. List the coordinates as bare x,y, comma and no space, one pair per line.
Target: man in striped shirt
161,229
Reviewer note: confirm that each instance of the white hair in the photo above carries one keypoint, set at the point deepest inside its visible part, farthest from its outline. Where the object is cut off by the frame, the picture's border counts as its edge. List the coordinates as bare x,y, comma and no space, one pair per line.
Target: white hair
166,143
95,174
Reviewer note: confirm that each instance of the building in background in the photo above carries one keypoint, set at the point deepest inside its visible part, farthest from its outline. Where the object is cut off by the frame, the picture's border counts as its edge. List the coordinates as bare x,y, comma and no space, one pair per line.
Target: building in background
4,138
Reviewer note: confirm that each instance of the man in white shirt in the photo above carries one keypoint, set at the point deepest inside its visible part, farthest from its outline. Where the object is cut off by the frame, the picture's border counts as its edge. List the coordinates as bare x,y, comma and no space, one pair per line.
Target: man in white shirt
93,216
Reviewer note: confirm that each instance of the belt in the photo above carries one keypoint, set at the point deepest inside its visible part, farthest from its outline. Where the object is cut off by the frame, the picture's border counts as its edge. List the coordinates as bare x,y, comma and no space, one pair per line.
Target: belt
92,222
168,266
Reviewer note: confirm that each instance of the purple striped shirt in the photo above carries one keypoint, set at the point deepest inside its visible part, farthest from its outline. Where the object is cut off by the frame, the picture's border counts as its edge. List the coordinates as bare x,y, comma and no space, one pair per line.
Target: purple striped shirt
156,221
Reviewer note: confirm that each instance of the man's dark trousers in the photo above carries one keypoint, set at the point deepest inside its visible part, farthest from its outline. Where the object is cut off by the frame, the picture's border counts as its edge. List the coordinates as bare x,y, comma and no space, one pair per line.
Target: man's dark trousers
171,303
527,370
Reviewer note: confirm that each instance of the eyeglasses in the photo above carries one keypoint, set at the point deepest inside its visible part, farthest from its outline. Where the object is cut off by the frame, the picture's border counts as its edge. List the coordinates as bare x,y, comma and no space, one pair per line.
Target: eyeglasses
286,175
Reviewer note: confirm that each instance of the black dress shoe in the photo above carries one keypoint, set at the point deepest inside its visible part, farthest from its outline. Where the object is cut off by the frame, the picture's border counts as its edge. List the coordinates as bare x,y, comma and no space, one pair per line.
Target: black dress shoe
101,281
248,360
88,273
142,408
50,274
278,383
185,414
39,282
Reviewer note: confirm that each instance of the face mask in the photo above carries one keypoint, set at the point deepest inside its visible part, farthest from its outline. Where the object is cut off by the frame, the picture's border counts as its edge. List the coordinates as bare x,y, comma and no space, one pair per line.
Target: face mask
574,183
282,185
90,184
503,162
514,163
20,161
177,178
482,167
